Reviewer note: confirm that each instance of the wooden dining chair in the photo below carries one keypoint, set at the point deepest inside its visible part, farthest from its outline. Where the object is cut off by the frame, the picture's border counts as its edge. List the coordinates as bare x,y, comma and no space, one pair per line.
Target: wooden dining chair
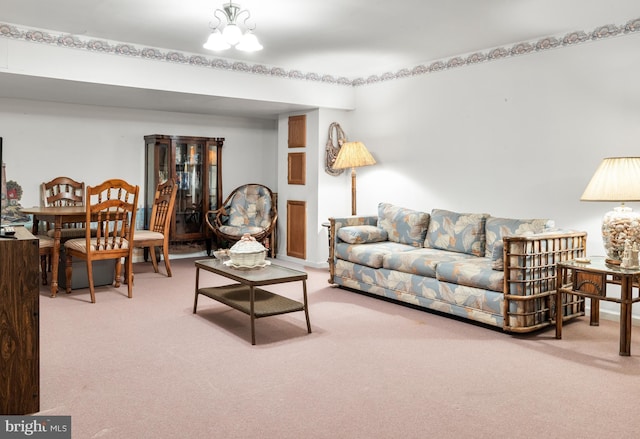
111,206
158,233
45,244
63,191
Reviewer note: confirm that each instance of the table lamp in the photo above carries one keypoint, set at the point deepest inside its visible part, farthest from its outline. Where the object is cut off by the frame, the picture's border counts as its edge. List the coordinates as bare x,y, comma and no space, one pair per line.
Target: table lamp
353,155
617,179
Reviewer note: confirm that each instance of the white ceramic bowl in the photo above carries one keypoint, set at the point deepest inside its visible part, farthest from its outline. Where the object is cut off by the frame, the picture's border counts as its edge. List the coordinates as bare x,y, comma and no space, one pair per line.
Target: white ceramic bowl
247,252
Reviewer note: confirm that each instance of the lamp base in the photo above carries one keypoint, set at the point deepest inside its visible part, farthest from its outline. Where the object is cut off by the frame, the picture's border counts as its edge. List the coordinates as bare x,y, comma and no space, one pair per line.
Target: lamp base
619,226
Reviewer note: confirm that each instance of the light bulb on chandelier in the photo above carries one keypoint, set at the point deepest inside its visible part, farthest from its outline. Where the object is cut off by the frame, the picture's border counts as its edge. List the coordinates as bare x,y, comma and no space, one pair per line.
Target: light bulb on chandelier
231,34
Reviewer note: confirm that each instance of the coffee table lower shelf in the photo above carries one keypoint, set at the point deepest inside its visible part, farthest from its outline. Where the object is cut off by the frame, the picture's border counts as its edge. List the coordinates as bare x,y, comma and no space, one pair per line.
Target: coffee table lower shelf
265,303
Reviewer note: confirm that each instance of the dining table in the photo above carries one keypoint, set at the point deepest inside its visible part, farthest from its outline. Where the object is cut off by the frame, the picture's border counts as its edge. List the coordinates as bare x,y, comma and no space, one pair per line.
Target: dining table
57,215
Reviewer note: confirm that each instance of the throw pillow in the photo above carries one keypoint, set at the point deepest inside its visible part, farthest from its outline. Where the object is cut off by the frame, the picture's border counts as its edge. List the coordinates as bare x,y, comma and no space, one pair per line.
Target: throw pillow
496,228
457,232
361,234
497,258
403,225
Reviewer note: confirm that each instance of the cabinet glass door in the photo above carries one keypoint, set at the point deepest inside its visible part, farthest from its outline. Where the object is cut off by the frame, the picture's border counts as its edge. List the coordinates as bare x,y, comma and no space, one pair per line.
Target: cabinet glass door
194,163
158,155
189,172
212,162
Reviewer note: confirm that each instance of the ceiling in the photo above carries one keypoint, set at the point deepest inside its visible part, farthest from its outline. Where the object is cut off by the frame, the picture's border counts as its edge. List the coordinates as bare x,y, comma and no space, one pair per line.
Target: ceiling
343,38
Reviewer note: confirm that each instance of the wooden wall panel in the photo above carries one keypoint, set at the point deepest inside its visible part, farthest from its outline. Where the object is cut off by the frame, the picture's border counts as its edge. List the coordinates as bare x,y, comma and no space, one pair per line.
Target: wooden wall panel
297,229
297,168
298,131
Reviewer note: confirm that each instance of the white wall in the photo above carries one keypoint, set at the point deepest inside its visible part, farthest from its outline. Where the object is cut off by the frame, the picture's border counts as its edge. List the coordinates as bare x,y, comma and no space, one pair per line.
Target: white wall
518,137
43,140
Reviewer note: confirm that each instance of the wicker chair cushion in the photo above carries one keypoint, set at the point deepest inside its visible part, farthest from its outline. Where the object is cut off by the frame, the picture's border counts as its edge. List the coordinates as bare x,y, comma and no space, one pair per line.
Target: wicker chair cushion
403,225
81,245
239,231
250,207
147,234
457,232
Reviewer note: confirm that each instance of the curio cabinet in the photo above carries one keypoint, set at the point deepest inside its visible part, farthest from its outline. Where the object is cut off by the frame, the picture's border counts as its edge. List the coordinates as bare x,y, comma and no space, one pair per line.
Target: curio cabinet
195,165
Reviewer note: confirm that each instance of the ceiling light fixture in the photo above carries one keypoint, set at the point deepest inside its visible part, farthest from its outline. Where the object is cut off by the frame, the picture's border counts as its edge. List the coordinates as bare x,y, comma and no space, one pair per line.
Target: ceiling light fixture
232,34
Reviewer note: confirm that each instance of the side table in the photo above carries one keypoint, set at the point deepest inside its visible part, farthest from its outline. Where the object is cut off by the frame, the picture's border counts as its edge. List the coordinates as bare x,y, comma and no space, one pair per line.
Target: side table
590,280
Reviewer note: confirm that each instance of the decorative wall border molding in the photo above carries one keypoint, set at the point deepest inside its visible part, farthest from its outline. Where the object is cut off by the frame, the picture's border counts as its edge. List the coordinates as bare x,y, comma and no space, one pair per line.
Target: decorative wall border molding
494,54
151,53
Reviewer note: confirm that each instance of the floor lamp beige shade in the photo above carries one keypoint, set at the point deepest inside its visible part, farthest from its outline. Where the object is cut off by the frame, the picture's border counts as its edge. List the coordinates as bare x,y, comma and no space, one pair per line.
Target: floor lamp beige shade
353,155
617,179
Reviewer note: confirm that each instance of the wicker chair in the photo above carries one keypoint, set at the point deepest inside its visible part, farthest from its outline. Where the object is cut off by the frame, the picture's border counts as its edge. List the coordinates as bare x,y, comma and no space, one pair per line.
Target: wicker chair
250,208
112,207
158,233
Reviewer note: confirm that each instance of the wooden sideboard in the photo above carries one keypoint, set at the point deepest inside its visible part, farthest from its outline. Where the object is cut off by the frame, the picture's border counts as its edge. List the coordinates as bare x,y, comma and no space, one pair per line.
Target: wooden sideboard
19,325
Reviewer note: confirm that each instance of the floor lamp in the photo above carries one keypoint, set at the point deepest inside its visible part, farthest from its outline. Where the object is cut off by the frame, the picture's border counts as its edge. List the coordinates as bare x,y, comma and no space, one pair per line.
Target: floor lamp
353,155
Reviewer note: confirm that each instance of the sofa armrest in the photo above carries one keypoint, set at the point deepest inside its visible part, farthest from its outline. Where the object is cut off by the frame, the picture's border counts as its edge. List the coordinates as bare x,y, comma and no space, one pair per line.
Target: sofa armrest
530,277
334,225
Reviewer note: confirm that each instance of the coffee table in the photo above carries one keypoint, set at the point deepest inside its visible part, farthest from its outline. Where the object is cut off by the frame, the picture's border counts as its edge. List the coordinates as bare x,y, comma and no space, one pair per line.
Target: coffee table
245,296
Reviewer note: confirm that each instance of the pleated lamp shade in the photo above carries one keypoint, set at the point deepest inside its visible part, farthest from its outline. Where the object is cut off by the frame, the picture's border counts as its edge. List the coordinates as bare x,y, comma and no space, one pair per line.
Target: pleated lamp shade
616,179
353,155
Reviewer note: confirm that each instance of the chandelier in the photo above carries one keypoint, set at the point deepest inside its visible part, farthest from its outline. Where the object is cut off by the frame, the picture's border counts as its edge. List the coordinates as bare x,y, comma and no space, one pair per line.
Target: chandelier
232,34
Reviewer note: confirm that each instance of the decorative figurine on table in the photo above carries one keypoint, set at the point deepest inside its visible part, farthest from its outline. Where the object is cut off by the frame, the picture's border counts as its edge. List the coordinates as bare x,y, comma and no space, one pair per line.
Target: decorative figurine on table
630,255
635,263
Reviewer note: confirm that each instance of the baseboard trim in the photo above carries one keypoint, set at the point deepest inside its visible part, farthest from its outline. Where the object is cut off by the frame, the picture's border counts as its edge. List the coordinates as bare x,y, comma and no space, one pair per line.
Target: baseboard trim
606,314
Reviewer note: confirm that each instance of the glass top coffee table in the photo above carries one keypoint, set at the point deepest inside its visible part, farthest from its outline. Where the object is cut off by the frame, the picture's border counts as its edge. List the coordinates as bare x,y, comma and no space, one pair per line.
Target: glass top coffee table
245,296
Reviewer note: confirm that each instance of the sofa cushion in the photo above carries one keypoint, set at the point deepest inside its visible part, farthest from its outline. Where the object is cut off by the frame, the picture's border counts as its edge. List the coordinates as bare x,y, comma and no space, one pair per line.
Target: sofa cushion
420,261
497,258
496,228
457,232
370,254
403,225
362,234
473,303
472,272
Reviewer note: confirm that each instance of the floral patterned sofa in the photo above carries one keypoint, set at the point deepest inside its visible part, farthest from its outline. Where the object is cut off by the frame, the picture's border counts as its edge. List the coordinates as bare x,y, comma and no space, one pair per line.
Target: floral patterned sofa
497,271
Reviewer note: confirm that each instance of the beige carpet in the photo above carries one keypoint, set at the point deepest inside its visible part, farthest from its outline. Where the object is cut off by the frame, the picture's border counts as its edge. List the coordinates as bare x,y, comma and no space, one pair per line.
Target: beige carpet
148,368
